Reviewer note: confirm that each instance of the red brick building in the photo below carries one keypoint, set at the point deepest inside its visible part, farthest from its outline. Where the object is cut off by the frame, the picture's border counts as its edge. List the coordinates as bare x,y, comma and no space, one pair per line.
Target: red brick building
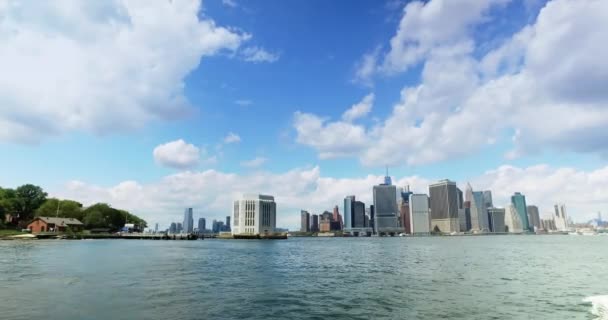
48,224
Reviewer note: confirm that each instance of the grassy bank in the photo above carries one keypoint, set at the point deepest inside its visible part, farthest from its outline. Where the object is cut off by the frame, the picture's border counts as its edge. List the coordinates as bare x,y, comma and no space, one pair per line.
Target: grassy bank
9,232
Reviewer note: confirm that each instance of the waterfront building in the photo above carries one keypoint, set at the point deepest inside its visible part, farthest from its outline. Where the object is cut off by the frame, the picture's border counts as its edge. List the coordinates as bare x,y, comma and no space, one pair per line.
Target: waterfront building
462,219
337,217
560,218
156,228
478,210
419,214
202,225
314,223
188,221
533,217
548,224
444,207
359,216
460,199
404,209
173,228
497,219
180,228
372,218
519,202
227,226
513,223
385,208
349,213
487,199
254,214
304,221
54,224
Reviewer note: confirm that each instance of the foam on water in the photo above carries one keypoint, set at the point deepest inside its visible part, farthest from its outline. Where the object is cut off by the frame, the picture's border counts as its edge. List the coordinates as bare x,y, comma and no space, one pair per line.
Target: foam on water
599,306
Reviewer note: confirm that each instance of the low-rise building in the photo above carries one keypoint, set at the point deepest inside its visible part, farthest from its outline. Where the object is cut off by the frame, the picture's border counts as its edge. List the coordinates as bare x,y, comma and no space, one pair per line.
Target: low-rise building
50,224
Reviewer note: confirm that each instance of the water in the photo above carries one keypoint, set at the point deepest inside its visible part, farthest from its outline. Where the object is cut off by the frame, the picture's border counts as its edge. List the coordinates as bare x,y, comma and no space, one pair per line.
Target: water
493,277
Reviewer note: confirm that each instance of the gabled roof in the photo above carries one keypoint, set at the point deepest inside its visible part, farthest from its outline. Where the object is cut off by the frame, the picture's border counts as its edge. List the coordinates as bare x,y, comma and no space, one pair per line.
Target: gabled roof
61,221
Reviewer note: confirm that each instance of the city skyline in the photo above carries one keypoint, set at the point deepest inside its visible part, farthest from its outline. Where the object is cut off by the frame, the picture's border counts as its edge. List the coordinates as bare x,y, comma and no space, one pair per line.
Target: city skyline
159,111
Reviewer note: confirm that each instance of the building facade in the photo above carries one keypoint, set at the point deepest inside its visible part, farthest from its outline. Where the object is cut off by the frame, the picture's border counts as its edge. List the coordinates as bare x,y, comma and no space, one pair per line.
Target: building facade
518,200
533,217
304,221
202,225
349,213
385,209
513,222
314,223
444,207
560,218
254,214
497,220
420,223
188,224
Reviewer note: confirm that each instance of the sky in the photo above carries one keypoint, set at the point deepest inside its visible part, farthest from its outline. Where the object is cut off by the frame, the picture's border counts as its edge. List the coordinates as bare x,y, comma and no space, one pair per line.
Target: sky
156,106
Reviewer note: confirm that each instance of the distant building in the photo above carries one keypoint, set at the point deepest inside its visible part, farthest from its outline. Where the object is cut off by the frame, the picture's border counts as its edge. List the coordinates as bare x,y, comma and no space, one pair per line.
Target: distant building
487,199
359,209
478,209
548,224
533,217
444,207
337,217
460,199
497,219
254,214
385,208
53,224
156,228
202,225
560,218
404,209
180,228
462,219
173,228
513,222
227,226
372,218
188,221
519,202
420,223
314,223
304,221
349,213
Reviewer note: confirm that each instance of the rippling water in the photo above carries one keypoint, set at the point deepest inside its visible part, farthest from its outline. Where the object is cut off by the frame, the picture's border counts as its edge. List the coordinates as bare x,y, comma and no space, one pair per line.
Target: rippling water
493,277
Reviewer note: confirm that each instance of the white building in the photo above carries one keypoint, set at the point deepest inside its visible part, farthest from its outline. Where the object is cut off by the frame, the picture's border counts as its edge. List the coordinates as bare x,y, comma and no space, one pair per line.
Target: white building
560,218
512,220
420,222
254,214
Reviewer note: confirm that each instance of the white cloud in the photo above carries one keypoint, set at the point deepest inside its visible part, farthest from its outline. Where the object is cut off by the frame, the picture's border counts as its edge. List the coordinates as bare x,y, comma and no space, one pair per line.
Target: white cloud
244,102
211,192
257,55
360,109
463,103
232,138
177,154
99,66
254,163
230,3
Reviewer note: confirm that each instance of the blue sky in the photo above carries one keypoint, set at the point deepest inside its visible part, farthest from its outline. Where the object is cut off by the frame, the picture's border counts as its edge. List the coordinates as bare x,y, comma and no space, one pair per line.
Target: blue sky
462,91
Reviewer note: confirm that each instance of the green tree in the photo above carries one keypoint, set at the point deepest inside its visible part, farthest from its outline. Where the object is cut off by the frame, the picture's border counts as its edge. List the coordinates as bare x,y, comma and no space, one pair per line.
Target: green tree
94,219
61,208
8,203
29,198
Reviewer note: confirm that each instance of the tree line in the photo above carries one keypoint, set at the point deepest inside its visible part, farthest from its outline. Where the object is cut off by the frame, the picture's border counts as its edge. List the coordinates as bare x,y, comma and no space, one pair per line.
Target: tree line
21,205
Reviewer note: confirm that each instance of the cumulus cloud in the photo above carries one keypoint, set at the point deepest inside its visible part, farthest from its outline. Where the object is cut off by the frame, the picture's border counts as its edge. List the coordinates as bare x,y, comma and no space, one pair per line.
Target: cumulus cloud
177,154
464,102
211,192
360,109
230,3
254,163
100,66
257,55
232,137
338,138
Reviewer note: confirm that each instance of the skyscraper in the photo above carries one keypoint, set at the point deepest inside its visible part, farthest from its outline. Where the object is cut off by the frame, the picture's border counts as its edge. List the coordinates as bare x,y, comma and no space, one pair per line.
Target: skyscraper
180,228
487,199
188,221
533,217
444,207
513,222
314,223
385,207
561,220
420,223
404,209
497,219
460,199
254,214
359,216
372,218
202,225
338,217
519,202
349,213
156,228
479,214
227,226
304,221
173,228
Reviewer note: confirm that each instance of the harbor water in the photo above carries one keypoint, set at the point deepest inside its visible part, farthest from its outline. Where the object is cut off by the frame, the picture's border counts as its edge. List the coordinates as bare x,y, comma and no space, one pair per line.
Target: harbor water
476,277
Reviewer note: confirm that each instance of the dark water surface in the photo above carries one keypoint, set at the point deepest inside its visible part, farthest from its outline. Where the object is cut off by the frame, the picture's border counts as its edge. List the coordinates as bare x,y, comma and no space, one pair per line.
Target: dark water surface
486,277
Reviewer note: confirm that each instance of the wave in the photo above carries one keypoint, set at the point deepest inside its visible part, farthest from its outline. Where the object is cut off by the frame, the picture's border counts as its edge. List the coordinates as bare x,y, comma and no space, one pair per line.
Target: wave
599,306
